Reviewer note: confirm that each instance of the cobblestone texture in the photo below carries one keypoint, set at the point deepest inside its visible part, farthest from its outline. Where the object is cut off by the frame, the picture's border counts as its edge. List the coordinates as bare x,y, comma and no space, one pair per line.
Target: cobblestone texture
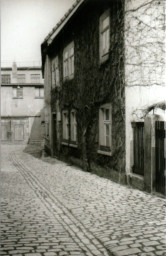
49,208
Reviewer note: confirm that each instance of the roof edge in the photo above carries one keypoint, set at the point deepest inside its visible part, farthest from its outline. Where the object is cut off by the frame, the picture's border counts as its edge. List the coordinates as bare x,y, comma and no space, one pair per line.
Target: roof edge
62,22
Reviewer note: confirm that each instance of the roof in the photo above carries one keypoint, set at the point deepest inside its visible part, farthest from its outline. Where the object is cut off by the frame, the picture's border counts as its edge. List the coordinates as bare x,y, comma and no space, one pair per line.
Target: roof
57,29
62,22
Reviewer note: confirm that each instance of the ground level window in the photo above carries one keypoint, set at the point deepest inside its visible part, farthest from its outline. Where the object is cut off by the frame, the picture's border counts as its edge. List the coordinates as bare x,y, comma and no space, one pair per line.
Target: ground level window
138,147
18,92
105,128
73,126
39,93
65,125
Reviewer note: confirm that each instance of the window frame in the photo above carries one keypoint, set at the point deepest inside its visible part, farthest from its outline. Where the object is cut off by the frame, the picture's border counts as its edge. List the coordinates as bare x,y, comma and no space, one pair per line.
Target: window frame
39,96
65,125
105,146
20,82
104,55
68,61
73,126
35,81
17,89
8,76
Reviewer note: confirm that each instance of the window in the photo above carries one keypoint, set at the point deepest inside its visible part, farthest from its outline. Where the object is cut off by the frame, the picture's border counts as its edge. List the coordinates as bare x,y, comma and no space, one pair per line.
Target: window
138,147
18,92
39,93
65,120
105,127
68,61
73,126
35,78
5,79
20,78
55,73
104,35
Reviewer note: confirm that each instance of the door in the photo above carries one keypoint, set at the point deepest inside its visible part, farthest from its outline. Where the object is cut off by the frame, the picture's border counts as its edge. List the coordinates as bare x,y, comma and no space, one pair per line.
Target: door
4,132
19,132
160,157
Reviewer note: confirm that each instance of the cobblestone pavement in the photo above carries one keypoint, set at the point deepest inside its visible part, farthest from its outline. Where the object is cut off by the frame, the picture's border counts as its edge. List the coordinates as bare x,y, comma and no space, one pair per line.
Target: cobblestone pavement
52,209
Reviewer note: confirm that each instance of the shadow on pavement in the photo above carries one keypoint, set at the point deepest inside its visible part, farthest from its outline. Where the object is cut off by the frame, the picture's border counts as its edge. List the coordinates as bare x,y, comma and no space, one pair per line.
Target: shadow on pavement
36,151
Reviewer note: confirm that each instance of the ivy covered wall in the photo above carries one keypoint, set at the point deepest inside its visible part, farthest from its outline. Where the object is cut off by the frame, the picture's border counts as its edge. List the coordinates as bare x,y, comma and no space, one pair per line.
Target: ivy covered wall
93,85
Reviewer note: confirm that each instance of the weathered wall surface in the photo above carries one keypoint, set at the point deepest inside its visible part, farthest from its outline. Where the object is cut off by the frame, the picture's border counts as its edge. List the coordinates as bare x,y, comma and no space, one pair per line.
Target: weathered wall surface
144,62
28,106
93,85
27,74
21,115
47,107
144,42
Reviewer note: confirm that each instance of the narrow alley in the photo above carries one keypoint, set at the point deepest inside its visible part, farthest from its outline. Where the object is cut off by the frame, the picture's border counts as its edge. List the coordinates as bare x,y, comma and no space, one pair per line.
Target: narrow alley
50,208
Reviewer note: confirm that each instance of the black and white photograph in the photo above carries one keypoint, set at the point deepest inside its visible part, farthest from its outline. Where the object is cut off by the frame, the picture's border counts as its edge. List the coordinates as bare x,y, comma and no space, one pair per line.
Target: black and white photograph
83,128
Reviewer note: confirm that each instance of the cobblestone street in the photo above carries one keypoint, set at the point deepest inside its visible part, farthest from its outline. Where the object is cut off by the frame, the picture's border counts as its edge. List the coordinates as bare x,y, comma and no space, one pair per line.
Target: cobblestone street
50,208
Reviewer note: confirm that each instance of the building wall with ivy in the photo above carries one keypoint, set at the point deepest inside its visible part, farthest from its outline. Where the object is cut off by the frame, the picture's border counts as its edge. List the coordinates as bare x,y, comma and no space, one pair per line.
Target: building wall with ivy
93,85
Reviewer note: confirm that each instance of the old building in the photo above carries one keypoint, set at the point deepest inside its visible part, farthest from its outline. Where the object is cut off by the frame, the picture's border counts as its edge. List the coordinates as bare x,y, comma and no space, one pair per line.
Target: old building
22,102
145,94
92,63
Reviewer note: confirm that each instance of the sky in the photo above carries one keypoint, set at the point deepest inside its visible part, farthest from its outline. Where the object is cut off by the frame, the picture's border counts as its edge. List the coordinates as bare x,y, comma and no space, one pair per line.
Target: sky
24,26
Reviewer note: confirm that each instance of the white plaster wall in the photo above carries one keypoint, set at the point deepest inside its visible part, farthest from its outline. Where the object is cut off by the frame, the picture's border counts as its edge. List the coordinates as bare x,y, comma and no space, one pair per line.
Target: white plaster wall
144,42
28,106
137,99
27,75
144,62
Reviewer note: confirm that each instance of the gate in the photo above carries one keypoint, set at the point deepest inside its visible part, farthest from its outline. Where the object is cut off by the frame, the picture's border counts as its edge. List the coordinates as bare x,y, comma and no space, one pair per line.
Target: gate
160,157
6,131
138,147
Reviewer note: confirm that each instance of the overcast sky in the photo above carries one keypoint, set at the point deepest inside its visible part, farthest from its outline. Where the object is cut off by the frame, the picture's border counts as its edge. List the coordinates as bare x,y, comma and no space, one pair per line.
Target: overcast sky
25,24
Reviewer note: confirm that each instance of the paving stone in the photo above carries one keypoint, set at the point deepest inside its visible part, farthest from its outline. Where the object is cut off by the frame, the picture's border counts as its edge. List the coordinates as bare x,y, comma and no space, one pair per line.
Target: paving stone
148,249
154,238
130,251
69,210
33,254
163,253
149,254
161,247
151,243
127,242
119,248
50,254
16,251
